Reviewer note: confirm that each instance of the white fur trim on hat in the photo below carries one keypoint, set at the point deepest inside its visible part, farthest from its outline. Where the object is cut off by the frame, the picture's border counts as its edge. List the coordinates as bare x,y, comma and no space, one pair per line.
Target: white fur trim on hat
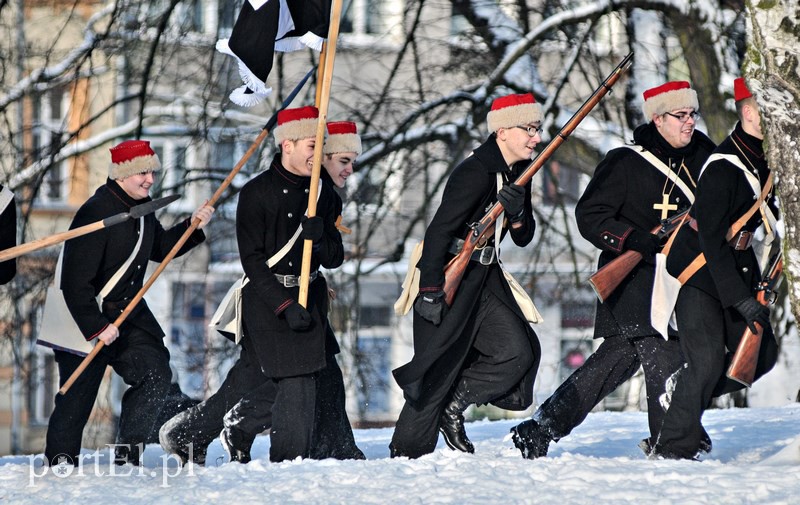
138,165
516,115
342,143
295,130
669,101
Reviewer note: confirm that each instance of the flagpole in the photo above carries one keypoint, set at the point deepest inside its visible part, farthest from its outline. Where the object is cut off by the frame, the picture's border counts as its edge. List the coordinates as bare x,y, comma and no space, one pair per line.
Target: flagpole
320,73
324,97
182,240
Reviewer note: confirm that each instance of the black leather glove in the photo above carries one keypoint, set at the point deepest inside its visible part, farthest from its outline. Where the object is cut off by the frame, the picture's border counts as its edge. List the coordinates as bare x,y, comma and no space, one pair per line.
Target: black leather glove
313,227
645,243
431,306
512,198
752,312
298,317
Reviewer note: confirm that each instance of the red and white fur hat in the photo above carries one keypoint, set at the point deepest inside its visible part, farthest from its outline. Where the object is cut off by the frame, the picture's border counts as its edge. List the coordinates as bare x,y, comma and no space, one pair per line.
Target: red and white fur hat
296,124
342,138
668,97
132,157
513,110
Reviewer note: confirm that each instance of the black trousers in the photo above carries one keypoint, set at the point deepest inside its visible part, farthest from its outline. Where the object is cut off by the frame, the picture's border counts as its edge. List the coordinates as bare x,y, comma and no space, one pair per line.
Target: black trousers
333,435
202,423
500,356
293,418
708,335
615,361
142,360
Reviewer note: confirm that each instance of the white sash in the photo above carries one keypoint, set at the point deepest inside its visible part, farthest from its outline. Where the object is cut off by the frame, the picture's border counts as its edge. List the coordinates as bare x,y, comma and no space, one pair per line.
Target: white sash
59,330
664,169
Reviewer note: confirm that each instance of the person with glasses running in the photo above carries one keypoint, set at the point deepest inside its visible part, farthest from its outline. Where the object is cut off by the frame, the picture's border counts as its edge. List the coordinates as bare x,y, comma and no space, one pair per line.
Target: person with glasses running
633,189
481,349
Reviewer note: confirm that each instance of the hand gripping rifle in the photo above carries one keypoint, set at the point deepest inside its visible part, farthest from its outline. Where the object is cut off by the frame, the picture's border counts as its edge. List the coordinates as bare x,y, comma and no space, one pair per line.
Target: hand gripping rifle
609,276
454,270
743,366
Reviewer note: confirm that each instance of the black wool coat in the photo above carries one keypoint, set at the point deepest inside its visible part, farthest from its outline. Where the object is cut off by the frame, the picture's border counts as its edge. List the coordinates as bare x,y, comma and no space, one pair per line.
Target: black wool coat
269,212
723,196
439,352
91,260
618,199
8,239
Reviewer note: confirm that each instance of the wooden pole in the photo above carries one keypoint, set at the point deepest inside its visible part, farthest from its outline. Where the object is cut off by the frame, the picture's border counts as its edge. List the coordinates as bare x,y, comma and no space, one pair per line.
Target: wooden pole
57,238
324,98
195,222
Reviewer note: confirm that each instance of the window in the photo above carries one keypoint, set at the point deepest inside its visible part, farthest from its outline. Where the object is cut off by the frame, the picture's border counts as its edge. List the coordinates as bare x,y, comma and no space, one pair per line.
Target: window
362,17
42,385
373,383
375,316
577,314
227,12
559,184
47,139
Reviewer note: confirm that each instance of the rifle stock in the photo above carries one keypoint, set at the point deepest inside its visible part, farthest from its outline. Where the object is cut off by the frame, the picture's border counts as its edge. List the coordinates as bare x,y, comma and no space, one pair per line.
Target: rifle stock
609,276
454,270
743,365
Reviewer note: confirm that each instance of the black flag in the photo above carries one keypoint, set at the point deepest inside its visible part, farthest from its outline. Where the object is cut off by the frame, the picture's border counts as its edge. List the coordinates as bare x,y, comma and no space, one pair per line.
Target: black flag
266,26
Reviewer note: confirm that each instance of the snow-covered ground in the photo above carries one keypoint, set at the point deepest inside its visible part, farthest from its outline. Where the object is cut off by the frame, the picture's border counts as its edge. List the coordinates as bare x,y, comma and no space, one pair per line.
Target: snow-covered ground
756,459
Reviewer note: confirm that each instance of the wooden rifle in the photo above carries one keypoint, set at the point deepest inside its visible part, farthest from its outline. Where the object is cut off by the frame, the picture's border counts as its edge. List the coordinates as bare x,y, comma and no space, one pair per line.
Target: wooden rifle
480,231
610,276
743,366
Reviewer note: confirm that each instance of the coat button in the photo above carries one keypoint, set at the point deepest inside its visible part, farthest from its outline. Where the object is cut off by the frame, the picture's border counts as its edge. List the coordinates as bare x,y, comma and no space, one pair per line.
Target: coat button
285,191
306,190
290,264
289,214
745,269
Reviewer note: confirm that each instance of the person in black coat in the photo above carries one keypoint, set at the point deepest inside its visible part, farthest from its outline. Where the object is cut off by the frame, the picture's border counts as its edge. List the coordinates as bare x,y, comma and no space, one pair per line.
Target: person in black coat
717,304
333,435
8,233
282,342
482,349
632,190
136,349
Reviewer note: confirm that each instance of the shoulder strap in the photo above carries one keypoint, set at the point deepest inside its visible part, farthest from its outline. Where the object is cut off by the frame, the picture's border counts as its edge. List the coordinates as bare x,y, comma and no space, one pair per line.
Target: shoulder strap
117,275
664,169
700,260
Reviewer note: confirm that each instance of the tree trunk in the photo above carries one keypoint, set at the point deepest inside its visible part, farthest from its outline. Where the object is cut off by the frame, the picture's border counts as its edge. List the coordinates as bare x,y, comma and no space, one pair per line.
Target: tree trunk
771,72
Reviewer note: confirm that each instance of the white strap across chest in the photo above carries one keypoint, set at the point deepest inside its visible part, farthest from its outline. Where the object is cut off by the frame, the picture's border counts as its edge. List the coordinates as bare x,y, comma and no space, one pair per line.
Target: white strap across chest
664,169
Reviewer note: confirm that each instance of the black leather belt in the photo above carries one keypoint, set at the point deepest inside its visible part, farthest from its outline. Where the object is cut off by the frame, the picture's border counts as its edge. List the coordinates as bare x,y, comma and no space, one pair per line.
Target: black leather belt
740,242
292,281
484,255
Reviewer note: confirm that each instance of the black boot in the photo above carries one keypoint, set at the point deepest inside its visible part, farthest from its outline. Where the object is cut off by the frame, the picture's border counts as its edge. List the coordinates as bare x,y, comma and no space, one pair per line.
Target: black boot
174,440
236,444
532,439
451,424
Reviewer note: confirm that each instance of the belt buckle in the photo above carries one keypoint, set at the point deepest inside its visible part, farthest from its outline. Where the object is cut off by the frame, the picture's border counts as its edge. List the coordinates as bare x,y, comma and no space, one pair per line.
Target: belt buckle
743,239
484,258
288,281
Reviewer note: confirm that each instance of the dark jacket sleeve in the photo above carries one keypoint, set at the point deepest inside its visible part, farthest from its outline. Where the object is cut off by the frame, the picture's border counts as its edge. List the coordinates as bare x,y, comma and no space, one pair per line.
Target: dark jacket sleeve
81,265
165,240
252,218
330,250
523,235
464,191
716,194
598,210
8,239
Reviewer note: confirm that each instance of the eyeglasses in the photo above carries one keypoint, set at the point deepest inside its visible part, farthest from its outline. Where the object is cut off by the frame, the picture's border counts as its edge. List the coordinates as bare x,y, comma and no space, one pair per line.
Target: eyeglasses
684,116
532,131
